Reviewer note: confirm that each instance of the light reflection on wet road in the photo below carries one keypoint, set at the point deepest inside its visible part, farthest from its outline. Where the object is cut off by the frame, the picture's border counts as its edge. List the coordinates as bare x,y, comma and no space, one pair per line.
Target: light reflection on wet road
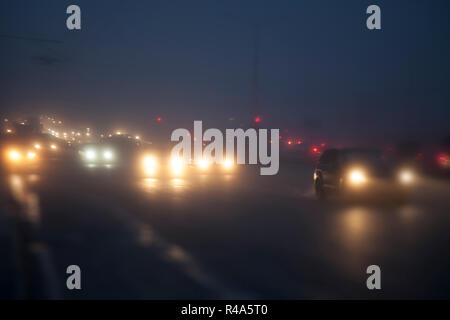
232,236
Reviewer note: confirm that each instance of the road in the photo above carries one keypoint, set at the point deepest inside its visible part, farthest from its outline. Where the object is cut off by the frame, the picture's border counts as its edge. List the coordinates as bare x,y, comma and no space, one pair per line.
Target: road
216,235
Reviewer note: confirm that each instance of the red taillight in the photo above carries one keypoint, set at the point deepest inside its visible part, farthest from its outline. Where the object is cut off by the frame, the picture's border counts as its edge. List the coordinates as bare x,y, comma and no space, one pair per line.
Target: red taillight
257,119
315,149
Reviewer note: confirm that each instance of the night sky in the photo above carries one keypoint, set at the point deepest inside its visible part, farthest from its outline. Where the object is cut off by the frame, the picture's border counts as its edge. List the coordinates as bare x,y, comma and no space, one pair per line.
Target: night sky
321,72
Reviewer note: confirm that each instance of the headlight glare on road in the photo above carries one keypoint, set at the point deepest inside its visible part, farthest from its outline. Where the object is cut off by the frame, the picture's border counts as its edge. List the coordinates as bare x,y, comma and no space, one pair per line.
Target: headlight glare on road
406,176
357,177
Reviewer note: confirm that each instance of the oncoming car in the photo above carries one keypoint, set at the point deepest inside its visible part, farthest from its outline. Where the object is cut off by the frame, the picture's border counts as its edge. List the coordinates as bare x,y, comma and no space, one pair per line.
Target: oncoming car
20,157
154,164
359,172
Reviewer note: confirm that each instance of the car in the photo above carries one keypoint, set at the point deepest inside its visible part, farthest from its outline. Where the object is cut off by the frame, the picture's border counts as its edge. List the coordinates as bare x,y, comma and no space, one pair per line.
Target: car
359,171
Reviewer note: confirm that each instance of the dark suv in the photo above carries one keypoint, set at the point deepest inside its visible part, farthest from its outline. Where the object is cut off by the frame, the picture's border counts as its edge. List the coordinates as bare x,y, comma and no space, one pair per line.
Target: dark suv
358,171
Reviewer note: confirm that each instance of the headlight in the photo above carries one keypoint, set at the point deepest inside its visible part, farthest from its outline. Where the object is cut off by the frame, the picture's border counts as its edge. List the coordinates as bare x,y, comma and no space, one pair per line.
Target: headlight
177,166
406,176
31,155
108,155
14,156
150,164
53,147
203,164
357,177
228,164
91,155
37,146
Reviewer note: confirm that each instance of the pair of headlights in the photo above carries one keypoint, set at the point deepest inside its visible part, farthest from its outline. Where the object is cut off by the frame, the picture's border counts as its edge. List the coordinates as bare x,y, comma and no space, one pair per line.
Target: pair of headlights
359,177
17,156
177,165
151,166
92,155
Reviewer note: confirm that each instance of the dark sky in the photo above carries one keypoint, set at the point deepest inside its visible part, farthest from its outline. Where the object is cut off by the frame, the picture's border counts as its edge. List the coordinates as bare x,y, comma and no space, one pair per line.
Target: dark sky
322,73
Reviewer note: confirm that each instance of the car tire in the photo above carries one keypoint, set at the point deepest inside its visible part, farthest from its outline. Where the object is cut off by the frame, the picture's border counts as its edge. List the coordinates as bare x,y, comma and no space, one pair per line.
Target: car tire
320,190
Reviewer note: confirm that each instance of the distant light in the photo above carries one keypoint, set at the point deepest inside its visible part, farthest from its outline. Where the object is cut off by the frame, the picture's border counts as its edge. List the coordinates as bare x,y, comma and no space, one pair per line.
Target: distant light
289,142
9,131
31,155
315,149
6,120
137,137
159,119
53,147
257,119
88,134
299,141
37,146
322,145
118,133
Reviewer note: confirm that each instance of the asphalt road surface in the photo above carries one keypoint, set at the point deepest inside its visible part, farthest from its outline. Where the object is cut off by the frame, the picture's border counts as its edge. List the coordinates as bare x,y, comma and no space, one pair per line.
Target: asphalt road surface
216,235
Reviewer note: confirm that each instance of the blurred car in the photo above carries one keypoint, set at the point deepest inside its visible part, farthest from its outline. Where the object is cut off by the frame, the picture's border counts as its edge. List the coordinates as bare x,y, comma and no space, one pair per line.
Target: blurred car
19,155
359,172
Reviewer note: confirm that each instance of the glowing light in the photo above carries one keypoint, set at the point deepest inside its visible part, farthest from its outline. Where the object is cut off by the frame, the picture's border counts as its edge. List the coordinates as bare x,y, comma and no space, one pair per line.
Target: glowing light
53,147
118,133
37,146
137,137
357,177
257,119
203,164
9,131
31,155
14,155
177,166
149,161
159,119
315,149
108,155
289,142
406,176
91,155
299,142
228,164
